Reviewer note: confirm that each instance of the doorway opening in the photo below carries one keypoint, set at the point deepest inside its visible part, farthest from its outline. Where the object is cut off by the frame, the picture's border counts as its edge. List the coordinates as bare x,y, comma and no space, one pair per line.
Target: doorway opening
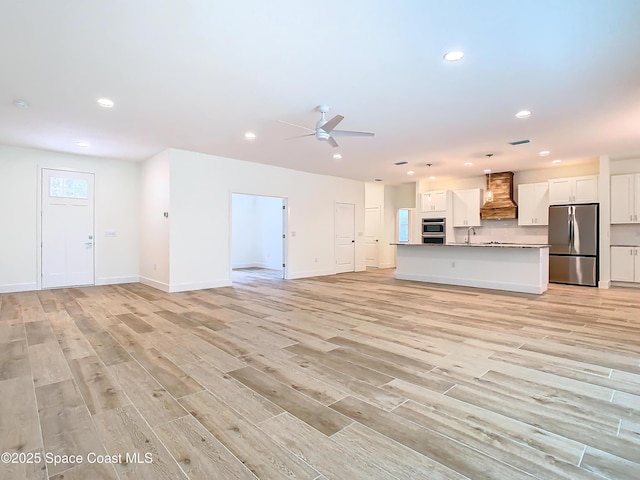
258,237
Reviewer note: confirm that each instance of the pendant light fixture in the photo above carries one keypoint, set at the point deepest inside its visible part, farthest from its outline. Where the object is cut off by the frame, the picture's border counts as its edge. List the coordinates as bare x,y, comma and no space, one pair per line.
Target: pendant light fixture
489,191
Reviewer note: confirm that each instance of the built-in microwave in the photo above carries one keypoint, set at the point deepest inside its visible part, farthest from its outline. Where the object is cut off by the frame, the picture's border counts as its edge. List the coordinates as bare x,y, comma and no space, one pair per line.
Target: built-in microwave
434,230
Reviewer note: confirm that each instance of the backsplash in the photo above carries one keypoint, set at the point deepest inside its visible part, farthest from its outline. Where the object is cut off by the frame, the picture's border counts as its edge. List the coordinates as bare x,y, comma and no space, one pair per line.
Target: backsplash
625,234
506,231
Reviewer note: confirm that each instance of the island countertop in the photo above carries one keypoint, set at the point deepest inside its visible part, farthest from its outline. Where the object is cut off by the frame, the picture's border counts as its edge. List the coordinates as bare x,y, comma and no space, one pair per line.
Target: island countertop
515,267
478,244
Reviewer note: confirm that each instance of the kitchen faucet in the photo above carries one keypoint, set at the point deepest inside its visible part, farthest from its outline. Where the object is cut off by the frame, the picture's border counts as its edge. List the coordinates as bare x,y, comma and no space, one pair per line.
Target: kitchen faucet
469,230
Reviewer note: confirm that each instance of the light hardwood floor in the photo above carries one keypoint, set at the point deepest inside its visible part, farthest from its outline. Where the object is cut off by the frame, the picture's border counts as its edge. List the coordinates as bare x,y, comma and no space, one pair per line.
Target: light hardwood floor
352,376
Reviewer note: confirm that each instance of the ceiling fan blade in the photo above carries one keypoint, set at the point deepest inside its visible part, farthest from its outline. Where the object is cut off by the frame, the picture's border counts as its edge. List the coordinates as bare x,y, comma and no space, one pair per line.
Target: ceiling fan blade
299,126
349,133
300,136
332,142
331,124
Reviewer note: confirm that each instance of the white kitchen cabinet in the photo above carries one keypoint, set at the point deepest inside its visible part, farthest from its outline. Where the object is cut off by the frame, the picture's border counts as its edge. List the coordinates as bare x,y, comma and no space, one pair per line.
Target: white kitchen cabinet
573,190
466,207
533,203
625,264
435,201
625,198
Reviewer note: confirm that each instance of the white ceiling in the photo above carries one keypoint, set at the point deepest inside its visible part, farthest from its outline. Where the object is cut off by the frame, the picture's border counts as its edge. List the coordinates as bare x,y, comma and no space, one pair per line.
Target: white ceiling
197,75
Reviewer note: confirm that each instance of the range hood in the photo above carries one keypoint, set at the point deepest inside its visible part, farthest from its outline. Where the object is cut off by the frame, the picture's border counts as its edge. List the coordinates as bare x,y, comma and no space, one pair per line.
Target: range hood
500,205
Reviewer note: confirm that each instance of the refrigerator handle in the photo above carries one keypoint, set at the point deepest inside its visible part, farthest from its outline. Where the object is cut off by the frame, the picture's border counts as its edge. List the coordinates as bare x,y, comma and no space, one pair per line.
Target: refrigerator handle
570,219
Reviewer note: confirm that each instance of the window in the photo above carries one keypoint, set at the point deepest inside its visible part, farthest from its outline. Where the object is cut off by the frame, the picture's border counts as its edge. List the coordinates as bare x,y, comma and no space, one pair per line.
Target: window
68,188
403,225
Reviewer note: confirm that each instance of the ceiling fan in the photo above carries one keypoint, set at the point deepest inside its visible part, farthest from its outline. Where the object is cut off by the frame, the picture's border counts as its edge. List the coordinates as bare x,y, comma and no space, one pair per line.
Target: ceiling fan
325,129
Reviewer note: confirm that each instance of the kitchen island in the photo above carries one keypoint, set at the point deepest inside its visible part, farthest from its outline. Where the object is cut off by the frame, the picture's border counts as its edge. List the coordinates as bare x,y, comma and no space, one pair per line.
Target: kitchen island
499,266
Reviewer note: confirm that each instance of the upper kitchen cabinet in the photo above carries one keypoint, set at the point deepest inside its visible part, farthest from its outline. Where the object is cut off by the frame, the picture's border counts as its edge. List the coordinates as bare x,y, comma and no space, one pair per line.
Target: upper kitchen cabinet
466,207
625,198
573,190
533,203
435,201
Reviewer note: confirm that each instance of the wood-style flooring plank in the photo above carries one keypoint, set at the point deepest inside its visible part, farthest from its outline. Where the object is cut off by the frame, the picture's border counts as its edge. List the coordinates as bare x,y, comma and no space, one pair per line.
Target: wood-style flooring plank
97,387
440,448
67,428
48,364
253,447
153,401
14,359
19,423
200,455
306,409
223,386
124,432
400,461
324,454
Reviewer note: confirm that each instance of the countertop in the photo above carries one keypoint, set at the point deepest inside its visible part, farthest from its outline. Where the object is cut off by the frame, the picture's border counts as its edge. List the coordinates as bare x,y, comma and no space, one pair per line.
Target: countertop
478,244
622,245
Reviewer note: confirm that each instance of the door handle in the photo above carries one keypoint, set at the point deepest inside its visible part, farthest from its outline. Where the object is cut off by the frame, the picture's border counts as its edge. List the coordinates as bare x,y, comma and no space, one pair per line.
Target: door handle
89,244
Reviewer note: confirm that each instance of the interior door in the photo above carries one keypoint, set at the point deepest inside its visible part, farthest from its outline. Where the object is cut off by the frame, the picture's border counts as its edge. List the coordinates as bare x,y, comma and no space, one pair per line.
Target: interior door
345,237
67,228
371,236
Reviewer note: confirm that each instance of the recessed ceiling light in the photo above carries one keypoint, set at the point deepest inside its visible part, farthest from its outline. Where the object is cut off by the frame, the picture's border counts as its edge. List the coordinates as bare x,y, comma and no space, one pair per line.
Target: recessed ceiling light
337,156
556,161
432,177
453,56
523,114
377,179
250,136
468,164
545,153
410,172
82,144
401,163
488,170
105,103
20,103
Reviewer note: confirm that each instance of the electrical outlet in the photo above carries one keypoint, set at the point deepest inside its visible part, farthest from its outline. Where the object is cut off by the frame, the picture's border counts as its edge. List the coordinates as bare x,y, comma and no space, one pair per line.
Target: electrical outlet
316,260
453,264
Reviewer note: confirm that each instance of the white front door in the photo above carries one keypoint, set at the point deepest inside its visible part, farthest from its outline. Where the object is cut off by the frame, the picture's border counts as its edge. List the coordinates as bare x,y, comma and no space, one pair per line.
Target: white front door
345,237
67,228
371,234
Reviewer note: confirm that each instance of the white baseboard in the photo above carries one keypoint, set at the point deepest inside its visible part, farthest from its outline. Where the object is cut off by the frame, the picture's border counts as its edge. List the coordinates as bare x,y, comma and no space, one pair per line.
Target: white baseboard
18,287
246,265
604,284
625,284
117,280
310,273
187,287
155,284
387,265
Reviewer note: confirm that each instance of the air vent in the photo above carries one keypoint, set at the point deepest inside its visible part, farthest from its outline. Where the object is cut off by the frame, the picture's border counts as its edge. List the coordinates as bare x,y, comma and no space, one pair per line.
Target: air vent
401,163
519,142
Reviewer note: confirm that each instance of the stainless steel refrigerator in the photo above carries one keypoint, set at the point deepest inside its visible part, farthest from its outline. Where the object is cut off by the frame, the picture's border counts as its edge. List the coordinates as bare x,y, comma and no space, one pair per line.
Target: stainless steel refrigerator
573,244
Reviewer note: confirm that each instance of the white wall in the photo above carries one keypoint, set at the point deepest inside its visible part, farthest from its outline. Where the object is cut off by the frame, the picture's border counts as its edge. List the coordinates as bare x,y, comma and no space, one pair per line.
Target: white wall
201,188
116,210
154,226
256,232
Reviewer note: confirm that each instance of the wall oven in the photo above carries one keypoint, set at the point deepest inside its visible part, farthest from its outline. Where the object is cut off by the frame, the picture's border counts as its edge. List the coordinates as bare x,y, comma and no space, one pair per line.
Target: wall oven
434,230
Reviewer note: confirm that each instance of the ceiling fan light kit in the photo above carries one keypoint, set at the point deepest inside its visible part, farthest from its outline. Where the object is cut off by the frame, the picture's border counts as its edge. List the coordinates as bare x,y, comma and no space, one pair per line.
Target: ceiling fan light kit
325,129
